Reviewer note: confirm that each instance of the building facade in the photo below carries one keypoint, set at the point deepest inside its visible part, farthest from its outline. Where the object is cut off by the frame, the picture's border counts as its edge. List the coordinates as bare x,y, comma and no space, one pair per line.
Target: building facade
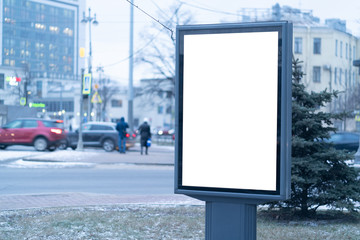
40,41
155,101
328,52
328,55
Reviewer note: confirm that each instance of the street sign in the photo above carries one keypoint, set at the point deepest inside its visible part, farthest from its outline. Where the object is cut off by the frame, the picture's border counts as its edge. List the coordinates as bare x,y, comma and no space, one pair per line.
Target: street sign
13,81
82,52
23,101
37,105
96,98
87,84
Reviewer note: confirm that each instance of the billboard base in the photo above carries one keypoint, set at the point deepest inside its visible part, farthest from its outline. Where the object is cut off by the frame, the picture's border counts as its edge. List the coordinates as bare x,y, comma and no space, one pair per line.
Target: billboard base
230,221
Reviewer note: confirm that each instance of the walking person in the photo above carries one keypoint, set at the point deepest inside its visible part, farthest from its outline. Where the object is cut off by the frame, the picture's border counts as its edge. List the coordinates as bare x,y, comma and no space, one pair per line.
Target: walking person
145,135
121,128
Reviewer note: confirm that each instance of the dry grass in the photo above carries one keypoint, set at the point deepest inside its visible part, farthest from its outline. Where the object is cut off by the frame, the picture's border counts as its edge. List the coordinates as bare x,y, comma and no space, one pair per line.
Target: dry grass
152,222
109,222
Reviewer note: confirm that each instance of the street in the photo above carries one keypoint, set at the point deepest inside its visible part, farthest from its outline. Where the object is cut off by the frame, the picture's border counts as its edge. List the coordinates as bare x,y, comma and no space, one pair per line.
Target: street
99,172
90,180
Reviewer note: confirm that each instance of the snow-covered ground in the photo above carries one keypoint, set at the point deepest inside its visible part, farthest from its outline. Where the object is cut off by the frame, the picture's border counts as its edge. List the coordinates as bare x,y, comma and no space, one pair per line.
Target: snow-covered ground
9,155
16,158
36,164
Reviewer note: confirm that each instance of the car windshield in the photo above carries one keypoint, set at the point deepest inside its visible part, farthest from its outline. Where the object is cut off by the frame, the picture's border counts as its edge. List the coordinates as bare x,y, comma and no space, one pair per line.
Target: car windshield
101,127
57,124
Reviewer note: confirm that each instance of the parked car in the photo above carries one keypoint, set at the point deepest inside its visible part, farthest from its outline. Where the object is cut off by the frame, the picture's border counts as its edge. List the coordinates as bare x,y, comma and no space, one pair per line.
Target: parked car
345,140
97,134
40,133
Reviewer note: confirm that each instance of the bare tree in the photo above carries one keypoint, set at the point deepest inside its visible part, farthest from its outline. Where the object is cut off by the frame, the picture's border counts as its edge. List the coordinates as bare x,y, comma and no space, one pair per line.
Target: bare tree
106,91
22,88
159,54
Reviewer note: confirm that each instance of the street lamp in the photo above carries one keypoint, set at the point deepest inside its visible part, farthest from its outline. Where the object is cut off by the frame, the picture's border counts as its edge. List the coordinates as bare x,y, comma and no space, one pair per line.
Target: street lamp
89,19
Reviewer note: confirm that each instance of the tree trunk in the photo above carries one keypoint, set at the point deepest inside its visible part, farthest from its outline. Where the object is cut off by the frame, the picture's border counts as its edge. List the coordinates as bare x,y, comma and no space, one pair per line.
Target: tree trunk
304,202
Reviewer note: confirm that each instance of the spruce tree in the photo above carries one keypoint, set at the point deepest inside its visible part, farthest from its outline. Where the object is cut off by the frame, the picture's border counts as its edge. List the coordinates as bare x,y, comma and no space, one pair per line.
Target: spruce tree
321,175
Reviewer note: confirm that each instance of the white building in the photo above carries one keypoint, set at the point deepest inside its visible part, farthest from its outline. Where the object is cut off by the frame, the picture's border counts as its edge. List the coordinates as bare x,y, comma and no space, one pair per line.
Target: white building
328,54
328,51
158,107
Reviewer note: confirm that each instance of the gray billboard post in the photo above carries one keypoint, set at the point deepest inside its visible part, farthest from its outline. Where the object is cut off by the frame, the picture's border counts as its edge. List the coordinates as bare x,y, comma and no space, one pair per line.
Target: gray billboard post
233,121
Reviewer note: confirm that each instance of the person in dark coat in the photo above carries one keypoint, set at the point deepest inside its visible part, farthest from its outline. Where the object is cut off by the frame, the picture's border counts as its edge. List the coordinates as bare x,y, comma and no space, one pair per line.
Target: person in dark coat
145,135
121,128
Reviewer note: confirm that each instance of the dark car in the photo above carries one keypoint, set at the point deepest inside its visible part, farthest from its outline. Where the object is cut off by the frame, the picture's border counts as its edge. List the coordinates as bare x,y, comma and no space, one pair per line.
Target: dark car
40,133
345,140
96,134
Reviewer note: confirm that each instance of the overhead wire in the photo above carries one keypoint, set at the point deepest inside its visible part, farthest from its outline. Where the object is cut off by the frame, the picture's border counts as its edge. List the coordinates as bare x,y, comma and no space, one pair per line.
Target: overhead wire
136,52
208,9
156,20
149,42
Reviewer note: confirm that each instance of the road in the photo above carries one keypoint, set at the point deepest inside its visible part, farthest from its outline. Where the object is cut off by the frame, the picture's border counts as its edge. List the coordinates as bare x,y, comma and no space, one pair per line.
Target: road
136,180
114,177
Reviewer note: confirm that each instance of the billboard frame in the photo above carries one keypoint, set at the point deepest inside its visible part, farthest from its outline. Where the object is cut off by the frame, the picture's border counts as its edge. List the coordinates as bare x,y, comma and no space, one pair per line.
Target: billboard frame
283,174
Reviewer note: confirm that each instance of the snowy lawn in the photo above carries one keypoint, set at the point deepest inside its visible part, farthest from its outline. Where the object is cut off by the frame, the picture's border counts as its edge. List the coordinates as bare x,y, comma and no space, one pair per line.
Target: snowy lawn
151,222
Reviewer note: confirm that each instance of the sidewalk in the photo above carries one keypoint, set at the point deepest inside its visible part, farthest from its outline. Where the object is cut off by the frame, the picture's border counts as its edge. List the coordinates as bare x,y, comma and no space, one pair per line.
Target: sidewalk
26,201
158,155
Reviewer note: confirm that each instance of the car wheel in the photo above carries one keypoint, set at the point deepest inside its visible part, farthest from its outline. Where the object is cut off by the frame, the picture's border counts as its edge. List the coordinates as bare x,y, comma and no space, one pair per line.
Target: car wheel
108,145
40,144
52,148
63,145
3,146
73,147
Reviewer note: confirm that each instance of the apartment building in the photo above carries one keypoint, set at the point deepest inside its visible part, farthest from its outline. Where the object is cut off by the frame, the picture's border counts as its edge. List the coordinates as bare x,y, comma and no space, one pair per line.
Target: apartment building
328,51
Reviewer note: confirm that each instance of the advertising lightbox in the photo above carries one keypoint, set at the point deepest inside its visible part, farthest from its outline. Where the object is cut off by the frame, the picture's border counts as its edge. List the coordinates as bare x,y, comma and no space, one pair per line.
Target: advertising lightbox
233,110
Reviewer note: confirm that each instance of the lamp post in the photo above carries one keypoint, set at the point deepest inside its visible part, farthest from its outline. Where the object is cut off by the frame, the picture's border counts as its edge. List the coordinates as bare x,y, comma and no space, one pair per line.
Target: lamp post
89,19
100,69
131,68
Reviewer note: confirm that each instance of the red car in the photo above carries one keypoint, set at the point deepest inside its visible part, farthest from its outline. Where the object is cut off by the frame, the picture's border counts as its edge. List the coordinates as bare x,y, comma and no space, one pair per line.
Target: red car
40,133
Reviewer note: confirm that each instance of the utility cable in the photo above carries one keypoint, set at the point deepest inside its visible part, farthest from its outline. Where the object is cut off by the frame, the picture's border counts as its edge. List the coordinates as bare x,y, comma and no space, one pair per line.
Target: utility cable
156,20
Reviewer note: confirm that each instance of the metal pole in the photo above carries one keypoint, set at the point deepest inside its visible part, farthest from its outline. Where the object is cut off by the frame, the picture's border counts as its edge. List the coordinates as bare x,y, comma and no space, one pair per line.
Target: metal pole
231,221
61,100
80,145
131,68
90,66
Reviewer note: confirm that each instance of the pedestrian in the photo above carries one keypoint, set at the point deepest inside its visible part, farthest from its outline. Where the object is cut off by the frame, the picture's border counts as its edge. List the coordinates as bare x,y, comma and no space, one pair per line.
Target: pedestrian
145,135
121,128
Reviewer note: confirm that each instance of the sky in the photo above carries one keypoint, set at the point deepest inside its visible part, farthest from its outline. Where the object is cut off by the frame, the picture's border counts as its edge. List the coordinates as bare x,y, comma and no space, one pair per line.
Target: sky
110,39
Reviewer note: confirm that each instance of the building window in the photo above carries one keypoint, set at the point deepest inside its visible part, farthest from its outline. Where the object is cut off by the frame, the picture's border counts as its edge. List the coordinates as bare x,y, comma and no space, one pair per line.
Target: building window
160,109
168,110
336,48
117,103
340,76
317,45
354,78
335,76
350,51
346,51
298,45
354,53
341,48
346,79
52,106
39,88
350,83
2,81
316,74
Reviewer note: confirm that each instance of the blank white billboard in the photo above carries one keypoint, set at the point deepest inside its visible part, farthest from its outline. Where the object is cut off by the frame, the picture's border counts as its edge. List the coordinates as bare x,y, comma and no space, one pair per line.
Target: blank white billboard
230,110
